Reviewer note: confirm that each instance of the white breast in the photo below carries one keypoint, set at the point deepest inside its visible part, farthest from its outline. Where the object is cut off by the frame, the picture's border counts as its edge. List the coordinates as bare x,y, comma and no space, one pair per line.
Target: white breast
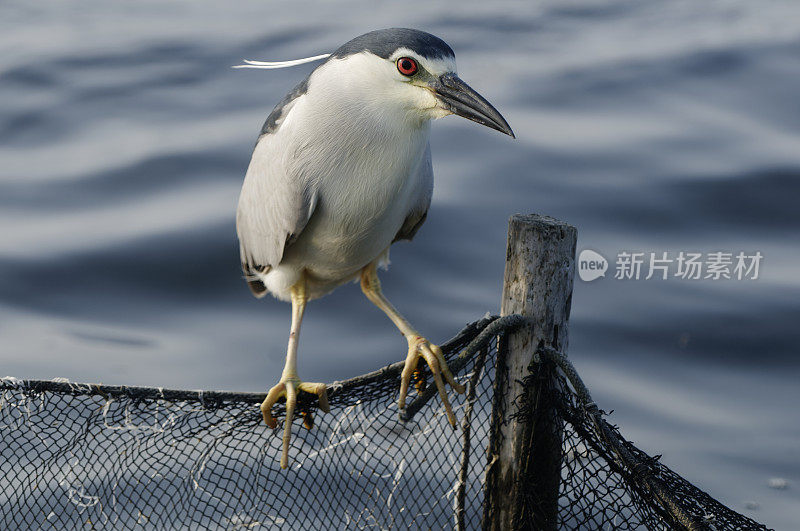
363,159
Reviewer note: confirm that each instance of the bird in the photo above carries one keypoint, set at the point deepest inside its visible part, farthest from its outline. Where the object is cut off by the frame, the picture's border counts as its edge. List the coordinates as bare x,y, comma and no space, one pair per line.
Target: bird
341,170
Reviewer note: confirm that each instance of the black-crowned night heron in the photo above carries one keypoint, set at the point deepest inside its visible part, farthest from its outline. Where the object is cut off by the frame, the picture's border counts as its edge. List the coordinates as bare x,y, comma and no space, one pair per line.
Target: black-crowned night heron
341,171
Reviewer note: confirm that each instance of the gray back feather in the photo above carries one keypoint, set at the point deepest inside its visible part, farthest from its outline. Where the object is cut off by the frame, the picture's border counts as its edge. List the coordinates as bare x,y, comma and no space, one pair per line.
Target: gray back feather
274,207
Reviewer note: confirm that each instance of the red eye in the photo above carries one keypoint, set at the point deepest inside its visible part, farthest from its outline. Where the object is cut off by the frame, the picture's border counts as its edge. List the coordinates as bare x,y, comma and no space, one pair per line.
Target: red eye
407,66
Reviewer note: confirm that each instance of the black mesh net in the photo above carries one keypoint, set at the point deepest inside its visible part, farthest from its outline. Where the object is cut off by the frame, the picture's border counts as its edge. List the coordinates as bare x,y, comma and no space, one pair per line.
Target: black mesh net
88,456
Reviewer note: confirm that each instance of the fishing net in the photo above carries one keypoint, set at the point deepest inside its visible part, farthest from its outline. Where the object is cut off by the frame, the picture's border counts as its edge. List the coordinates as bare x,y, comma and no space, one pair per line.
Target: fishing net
83,456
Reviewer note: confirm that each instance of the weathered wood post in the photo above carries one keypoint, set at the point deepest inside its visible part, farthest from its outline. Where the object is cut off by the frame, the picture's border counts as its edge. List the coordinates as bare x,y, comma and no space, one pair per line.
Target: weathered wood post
523,478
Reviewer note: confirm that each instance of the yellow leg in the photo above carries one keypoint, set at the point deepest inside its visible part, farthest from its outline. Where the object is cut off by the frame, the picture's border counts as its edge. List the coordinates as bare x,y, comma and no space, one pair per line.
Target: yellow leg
290,384
418,346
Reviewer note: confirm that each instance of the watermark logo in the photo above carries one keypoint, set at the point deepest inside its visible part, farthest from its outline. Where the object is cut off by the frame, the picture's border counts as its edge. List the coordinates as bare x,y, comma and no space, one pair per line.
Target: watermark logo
683,265
591,265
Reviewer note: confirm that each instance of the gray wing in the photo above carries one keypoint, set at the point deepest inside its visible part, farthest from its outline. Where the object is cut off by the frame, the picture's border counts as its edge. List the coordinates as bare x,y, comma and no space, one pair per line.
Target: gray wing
274,208
424,191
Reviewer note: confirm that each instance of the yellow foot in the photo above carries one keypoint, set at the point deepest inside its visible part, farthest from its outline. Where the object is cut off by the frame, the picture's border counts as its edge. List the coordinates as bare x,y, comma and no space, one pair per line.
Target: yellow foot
419,347
288,387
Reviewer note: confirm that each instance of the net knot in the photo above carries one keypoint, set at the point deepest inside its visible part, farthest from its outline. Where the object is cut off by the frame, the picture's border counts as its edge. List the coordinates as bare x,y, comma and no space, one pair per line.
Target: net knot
641,471
99,391
591,408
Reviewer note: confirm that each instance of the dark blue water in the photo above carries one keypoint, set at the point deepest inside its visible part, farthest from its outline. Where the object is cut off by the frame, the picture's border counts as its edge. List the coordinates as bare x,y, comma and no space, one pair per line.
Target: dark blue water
660,126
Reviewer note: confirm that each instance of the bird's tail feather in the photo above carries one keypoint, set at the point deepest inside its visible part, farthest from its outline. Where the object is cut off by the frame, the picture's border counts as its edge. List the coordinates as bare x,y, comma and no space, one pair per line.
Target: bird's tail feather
254,282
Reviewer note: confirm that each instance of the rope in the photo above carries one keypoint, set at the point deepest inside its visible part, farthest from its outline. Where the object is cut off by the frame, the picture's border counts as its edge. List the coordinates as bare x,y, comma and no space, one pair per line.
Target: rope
466,433
212,399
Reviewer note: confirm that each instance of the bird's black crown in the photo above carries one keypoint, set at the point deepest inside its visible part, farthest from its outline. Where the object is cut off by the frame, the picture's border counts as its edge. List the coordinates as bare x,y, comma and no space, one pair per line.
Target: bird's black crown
384,42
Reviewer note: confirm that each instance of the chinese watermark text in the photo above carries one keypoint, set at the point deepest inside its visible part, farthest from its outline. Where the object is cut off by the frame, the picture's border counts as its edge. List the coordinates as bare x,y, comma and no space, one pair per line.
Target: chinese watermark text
663,265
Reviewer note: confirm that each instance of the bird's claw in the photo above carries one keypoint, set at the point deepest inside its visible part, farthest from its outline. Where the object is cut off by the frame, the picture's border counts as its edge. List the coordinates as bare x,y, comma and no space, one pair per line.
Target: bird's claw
420,380
288,387
419,347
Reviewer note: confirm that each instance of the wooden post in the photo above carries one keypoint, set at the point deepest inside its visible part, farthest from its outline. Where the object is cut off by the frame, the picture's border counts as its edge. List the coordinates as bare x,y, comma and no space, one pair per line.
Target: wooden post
523,478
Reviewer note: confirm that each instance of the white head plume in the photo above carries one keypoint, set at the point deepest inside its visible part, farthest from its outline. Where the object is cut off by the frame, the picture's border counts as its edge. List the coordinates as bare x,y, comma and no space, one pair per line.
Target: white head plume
269,65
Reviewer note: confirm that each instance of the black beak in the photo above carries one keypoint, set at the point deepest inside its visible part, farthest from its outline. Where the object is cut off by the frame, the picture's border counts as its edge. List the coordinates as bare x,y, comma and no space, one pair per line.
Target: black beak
461,99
